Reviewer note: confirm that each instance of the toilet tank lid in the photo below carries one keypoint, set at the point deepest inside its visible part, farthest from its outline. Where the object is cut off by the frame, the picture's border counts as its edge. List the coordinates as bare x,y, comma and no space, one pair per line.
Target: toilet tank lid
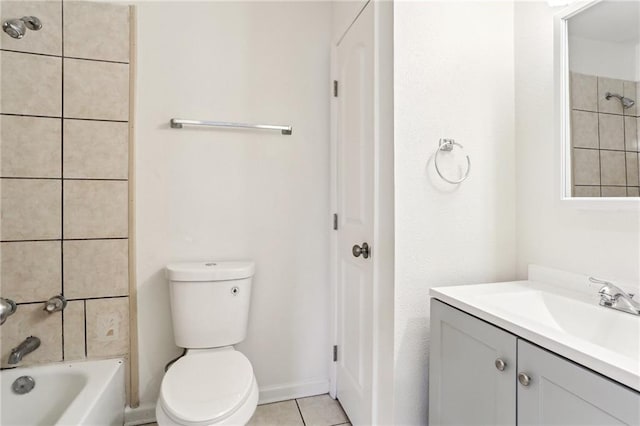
210,271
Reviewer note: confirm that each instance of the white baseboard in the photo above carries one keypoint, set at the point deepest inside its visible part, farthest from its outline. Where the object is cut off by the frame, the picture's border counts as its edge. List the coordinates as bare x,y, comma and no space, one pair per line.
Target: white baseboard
287,391
145,413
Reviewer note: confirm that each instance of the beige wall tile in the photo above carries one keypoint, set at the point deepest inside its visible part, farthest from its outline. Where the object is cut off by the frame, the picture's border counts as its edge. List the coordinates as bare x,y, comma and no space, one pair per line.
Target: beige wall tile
633,191
31,271
283,413
96,31
74,330
630,91
107,327
614,191
96,149
321,410
586,167
631,134
611,131
586,191
95,209
31,209
584,92
584,129
30,84
632,169
97,90
48,39
612,105
613,168
31,320
96,268
30,146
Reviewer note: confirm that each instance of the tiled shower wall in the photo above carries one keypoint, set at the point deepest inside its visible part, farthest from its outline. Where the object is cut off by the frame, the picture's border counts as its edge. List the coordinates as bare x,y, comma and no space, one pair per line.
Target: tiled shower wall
65,169
604,138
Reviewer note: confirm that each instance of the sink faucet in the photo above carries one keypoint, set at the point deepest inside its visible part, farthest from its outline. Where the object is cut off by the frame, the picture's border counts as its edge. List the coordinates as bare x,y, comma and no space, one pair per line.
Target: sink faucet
614,297
29,345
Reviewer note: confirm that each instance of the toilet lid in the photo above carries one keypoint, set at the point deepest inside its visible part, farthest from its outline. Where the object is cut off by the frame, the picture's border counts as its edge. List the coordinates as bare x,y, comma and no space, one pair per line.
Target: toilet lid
206,387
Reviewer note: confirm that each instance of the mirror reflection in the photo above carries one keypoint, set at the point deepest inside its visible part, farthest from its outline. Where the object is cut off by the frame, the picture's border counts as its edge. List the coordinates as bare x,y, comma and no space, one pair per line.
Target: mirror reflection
604,72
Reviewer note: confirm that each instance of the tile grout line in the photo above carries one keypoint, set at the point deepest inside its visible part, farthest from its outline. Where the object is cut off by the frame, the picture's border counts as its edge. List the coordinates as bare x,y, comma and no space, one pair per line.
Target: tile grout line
300,411
85,329
48,55
62,166
9,114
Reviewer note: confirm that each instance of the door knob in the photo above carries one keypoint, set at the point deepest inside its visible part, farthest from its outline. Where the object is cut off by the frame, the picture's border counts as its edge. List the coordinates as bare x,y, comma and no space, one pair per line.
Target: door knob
364,250
500,364
524,379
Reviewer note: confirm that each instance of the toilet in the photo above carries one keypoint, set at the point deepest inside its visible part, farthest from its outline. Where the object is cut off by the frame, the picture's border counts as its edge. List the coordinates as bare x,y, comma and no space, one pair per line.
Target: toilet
213,384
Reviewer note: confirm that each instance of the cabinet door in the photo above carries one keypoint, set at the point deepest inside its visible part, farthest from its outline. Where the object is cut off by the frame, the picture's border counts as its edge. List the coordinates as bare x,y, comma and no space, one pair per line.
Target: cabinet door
465,386
563,393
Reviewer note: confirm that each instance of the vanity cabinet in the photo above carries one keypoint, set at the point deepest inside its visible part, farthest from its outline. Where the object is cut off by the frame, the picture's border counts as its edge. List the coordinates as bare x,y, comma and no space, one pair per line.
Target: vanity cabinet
480,374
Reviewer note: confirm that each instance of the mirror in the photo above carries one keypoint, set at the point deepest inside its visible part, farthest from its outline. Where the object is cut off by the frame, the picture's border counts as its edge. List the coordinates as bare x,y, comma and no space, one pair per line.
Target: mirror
601,72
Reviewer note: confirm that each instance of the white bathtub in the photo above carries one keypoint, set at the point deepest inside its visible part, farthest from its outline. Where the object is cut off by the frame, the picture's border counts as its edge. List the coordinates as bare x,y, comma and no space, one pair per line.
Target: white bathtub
79,393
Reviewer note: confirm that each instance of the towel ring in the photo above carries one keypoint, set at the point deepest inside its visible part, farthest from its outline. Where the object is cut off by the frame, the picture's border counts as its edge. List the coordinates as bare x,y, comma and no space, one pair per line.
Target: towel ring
447,145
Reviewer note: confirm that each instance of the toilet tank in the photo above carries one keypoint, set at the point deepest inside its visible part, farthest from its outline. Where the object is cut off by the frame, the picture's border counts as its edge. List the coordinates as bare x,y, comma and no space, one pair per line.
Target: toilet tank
210,302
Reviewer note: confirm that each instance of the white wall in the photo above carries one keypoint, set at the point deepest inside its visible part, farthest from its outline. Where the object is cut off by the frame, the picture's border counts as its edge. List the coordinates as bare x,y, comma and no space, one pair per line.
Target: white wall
613,60
604,243
453,78
215,194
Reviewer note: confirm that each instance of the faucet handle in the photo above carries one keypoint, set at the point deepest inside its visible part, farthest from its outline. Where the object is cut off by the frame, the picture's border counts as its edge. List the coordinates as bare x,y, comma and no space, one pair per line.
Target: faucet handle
55,304
598,281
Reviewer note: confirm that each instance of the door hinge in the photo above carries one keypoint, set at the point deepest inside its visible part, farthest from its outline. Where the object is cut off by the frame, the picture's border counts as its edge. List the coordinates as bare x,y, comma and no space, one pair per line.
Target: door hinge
335,88
335,353
335,221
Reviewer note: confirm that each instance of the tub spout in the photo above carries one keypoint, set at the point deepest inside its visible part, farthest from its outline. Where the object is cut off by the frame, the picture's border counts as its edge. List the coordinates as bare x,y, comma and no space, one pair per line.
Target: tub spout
29,345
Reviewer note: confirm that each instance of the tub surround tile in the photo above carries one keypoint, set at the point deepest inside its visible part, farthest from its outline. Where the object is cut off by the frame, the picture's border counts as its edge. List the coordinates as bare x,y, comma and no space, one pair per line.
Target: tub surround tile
283,413
584,129
96,268
30,146
30,271
321,410
629,90
30,84
586,167
633,179
613,168
633,191
586,191
107,327
96,31
584,92
48,40
611,130
631,133
74,344
96,149
31,209
614,191
96,90
95,209
31,320
613,105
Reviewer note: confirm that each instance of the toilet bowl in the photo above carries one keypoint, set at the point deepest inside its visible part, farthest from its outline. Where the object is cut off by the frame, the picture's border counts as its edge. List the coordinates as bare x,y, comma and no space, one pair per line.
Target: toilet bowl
213,384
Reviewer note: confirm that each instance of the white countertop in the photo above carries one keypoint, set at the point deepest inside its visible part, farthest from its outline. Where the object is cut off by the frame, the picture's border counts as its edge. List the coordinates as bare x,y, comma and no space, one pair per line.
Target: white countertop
560,313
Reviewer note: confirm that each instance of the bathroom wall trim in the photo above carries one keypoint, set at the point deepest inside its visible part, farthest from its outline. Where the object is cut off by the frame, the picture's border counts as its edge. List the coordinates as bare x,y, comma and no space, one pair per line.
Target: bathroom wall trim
288,391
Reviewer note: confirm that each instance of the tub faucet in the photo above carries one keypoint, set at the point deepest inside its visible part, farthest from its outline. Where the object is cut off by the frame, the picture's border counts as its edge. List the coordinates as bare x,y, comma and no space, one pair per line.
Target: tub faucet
29,345
611,296
7,308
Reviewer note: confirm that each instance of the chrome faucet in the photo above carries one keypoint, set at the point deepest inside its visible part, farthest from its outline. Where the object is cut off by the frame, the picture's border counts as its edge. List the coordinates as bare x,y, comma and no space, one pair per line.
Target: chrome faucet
29,345
7,308
614,297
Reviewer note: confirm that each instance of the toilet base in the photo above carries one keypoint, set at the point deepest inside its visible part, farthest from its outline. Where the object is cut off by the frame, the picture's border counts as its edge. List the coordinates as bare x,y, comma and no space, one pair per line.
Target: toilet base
239,418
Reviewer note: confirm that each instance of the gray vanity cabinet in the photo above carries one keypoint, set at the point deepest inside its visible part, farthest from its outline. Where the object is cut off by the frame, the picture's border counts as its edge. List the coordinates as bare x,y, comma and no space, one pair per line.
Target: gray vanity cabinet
472,368
559,392
479,374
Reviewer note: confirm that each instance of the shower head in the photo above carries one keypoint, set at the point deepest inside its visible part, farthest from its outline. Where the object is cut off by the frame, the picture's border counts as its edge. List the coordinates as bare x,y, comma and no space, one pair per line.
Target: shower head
17,28
626,102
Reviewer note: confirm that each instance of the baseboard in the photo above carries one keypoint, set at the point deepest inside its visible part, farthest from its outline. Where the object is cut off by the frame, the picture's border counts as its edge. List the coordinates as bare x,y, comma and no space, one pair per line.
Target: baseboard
145,413
286,391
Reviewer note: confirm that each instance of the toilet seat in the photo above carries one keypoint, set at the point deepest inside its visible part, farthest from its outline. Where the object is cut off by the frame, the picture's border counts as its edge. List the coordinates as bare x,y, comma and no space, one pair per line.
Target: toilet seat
207,387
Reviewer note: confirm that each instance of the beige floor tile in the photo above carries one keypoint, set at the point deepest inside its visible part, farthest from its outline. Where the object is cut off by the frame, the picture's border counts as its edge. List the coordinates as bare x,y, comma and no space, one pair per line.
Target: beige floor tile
321,410
30,271
280,413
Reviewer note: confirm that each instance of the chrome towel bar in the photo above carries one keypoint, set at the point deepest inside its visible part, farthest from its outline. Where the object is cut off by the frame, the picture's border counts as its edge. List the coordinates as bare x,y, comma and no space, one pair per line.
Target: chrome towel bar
177,123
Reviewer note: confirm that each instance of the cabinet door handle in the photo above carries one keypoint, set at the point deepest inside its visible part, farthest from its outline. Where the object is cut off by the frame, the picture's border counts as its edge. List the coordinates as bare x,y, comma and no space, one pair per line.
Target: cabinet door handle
524,379
500,364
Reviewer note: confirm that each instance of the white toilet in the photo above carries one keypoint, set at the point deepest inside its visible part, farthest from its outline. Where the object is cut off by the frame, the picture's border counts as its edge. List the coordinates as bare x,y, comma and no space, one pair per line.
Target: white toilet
213,384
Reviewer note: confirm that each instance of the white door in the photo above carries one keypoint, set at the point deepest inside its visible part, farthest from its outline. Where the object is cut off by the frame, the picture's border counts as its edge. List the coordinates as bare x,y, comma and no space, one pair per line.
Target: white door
355,155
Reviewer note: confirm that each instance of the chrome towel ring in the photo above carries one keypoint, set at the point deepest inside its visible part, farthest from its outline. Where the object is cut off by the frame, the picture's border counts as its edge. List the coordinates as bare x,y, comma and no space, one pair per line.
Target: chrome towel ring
447,145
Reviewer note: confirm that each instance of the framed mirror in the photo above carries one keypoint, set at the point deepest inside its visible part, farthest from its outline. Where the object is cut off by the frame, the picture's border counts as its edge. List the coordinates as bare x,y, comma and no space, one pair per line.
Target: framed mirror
598,53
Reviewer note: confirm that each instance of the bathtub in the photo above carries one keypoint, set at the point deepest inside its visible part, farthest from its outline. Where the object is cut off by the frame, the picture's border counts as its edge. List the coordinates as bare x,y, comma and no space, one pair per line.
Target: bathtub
78,393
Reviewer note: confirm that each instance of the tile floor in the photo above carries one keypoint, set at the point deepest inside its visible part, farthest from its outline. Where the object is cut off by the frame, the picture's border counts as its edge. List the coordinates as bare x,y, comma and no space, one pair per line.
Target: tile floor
319,410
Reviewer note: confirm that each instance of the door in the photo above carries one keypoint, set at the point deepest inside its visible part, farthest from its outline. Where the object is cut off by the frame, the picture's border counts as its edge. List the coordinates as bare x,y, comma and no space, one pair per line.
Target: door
554,391
355,155
472,370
